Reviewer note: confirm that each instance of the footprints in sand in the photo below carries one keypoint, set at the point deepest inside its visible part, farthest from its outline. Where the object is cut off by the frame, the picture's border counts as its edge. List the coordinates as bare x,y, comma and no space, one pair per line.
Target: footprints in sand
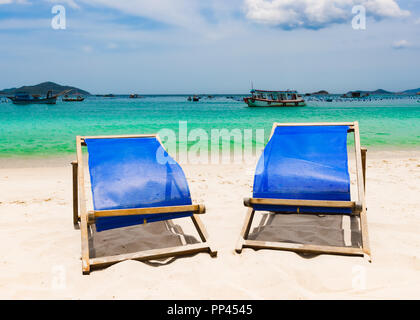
225,182
237,180
17,202
23,202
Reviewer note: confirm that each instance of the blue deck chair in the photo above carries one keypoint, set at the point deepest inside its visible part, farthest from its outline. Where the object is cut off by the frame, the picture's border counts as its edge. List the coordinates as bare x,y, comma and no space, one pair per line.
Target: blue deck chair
133,181
304,170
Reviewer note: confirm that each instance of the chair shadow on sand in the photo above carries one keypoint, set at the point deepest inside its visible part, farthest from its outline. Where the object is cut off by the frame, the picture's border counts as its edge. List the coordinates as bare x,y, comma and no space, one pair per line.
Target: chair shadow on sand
328,230
156,235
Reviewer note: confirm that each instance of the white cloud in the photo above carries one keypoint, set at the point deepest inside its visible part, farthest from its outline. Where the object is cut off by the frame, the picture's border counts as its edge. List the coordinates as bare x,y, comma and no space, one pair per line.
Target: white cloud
25,24
316,13
87,49
417,21
401,44
14,1
70,3
112,45
180,12
189,14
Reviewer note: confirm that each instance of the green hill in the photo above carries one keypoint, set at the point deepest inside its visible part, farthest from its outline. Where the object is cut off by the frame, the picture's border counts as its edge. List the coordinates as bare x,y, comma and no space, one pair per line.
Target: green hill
43,88
411,91
376,92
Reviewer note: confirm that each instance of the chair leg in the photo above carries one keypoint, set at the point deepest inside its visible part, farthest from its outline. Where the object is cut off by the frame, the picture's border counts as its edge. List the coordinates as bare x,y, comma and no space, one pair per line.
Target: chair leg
363,217
85,244
245,229
363,152
75,194
203,233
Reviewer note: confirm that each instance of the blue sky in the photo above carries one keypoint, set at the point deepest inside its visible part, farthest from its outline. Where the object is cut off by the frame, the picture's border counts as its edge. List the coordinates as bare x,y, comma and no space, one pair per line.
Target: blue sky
197,46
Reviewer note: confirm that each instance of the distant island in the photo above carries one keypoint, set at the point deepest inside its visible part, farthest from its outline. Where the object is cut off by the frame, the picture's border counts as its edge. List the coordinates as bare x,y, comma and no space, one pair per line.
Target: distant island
43,88
361,93
376,92
321,92
411,91
383,92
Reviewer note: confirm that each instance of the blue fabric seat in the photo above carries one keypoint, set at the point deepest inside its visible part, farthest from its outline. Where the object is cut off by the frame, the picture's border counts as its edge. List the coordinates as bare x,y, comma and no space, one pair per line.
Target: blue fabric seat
128,173
304,163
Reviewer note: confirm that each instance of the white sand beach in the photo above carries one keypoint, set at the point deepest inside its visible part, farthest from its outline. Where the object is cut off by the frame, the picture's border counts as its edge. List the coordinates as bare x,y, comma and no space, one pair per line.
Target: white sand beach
40,249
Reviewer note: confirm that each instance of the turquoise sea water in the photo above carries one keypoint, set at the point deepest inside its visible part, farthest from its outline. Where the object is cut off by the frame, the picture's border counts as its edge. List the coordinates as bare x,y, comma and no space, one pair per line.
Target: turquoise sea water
51,129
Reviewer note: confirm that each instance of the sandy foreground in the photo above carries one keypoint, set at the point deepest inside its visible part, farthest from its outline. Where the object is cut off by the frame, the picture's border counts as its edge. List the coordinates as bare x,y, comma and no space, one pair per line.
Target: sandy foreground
40,249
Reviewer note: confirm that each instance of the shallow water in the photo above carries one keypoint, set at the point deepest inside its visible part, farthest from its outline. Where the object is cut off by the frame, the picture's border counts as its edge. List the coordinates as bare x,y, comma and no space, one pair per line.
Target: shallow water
51,129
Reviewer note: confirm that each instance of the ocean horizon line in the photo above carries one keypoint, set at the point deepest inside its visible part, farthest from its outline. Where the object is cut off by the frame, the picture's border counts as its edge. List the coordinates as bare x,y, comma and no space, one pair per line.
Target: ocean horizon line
233,94
50,85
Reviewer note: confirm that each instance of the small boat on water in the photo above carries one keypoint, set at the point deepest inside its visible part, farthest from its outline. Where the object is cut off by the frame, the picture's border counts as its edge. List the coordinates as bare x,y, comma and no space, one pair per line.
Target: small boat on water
265,98
24,98
194,98
135,96
66,98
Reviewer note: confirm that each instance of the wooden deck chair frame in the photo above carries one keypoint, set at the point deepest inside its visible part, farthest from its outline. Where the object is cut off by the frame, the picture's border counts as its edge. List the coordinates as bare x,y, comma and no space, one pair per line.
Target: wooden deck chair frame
84,219
358,208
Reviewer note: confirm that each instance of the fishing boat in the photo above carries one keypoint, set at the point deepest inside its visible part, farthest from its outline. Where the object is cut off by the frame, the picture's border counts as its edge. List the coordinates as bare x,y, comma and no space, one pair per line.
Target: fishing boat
24,98
194,98
135,96
66,98
265,98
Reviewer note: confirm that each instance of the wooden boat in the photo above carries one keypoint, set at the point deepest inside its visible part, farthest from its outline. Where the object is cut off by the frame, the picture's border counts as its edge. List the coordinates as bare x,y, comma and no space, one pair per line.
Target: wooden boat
265,98
135,96
77,99
194,98
24,98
